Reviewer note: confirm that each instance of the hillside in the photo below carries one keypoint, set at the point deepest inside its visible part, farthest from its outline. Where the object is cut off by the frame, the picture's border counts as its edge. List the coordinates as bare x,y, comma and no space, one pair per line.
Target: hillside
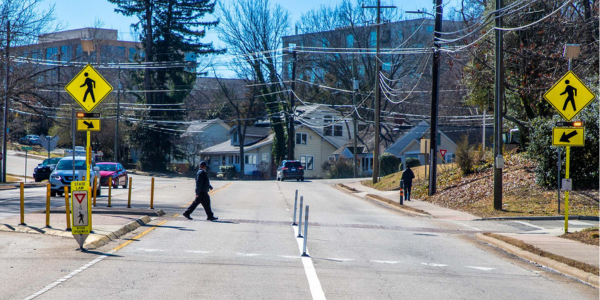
474,193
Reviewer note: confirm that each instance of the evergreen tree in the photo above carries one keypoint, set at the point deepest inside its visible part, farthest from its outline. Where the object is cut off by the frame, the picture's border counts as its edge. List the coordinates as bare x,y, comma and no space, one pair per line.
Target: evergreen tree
169,30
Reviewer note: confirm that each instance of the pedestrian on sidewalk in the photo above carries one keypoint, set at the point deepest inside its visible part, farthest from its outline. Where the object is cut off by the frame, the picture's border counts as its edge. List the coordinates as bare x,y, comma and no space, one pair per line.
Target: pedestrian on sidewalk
202,197
407,176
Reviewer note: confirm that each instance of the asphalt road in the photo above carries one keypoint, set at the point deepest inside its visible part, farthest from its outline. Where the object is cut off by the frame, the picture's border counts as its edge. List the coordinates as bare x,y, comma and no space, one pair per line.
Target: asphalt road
16,164
358,250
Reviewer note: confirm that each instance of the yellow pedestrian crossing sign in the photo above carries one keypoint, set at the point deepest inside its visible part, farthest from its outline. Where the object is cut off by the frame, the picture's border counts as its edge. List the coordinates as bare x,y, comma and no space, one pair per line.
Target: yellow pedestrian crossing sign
88,124
568,136
569,96
88,88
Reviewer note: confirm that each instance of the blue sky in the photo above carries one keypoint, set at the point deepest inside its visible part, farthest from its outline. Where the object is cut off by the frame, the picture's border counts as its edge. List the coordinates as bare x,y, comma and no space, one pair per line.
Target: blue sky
75,15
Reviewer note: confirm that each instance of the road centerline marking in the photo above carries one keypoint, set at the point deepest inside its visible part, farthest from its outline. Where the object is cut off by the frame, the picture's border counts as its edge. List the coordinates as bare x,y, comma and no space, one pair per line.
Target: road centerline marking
209,193
311,274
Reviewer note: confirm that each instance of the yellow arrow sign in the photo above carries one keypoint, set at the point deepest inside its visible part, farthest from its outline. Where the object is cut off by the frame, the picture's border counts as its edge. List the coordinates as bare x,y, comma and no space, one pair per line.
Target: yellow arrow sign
88,88
88,124
569,96
568,136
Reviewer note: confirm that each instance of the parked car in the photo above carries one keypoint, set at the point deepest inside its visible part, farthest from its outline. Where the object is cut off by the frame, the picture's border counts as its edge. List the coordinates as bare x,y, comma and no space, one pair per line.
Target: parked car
43,170
30,139
290,169
63,175
115,171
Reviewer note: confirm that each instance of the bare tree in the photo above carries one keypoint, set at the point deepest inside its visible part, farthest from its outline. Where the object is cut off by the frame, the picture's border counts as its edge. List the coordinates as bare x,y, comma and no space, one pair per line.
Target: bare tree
253,31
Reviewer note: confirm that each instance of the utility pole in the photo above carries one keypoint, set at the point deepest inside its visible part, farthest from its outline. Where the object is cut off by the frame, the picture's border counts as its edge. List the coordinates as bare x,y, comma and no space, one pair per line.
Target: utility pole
498,97
377,91
435,99
116,152
148,50
5,121
355,87
291,136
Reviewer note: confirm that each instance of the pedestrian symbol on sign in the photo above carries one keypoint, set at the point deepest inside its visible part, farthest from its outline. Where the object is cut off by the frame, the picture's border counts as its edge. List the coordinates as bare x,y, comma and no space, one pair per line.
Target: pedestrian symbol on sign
91,85
571,93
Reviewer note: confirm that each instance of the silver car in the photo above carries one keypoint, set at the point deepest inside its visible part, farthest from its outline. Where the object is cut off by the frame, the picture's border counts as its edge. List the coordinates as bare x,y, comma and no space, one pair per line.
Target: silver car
63,175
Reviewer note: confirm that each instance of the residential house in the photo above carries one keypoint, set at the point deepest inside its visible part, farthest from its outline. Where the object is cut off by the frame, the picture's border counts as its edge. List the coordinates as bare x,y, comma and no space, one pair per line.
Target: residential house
197,136
257,151
410,145
320,131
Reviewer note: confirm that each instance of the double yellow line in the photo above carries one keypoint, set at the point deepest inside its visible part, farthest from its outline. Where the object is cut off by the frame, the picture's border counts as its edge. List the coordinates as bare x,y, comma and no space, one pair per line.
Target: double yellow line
210,193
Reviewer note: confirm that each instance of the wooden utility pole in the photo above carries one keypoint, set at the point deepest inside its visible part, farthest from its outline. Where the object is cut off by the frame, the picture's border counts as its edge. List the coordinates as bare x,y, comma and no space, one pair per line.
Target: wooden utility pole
377,91
5,121
499,96
435,99
291,135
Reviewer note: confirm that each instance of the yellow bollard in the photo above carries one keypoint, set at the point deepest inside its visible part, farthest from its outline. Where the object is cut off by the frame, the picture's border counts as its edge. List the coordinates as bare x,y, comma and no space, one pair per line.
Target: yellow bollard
129,197
22,186
110,183
48,205
67,208
95,191
152,194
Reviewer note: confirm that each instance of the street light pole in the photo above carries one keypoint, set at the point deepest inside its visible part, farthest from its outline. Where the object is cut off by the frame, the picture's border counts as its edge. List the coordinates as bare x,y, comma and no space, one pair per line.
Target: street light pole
116,152
5,121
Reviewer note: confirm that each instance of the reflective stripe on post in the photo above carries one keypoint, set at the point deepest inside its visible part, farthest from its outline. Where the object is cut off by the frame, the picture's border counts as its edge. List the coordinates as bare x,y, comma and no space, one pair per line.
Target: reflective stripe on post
48,205
129,195
152,194
22,186
67,208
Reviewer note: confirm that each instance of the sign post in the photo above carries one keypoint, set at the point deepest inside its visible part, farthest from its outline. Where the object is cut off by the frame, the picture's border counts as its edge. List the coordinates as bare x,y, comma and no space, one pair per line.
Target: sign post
569,96
88,88
81,212
26,149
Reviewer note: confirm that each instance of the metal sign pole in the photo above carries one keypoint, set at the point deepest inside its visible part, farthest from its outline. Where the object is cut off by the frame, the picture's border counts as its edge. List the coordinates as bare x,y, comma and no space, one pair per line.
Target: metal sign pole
568,155
559,163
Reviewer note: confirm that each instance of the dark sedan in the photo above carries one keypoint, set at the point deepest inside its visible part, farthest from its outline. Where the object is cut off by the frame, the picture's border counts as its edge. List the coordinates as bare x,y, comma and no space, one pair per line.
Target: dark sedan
115,171
43,170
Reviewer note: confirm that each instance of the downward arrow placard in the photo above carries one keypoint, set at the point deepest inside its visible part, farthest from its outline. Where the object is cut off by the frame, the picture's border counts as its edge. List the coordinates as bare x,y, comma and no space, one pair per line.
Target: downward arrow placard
568,136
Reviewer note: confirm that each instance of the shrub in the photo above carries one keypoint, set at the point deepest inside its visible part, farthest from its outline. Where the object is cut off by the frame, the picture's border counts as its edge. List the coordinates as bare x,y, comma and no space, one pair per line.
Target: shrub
465,158
341,168
583,160
228,171
388,164
411,162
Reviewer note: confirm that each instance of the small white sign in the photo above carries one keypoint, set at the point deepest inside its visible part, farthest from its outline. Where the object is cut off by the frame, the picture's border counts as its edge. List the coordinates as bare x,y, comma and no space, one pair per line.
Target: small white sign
566,185
80,208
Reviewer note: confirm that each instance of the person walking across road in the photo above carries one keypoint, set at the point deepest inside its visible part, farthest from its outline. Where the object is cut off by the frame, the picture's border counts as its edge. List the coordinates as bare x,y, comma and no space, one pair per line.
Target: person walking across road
202,197
407,176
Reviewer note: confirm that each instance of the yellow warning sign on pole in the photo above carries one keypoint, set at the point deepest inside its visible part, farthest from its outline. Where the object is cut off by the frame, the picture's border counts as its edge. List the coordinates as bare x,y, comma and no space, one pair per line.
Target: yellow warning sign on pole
88,124
88,88
569,96
562,136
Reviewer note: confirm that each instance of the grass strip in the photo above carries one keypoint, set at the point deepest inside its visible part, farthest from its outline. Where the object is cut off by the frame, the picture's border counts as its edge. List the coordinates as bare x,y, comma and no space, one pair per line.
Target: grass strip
529,248
587,236
377,197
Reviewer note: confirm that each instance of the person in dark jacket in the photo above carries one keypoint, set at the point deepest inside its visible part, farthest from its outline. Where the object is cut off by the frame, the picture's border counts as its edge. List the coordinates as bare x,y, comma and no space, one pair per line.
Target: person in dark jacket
202,197
407,176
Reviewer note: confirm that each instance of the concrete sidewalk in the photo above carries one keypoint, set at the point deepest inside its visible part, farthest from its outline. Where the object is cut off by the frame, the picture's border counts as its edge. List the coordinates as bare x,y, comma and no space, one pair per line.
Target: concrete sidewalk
105,227
545,240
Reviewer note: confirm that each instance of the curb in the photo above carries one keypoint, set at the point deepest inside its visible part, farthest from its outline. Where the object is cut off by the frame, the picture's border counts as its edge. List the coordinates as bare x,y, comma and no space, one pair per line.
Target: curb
94,240
541,218
100,240
552,264
377,201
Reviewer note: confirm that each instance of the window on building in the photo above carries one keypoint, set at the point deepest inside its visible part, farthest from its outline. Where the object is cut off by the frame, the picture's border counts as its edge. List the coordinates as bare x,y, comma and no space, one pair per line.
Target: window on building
265,157
301,138
237,159
65,53
132,53
373,39
292,45
235,137
307,162
250,159
338,130
450,158
400,35
51,53
349,41
429,29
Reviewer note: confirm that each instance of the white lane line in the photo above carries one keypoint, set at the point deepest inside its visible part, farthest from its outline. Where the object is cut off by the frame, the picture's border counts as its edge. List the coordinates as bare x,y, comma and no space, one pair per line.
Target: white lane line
198,251
340,259
579,223
248,254
66,277
289,256
481,268
152,250
530,225
434,265
311,274
466,225
385,261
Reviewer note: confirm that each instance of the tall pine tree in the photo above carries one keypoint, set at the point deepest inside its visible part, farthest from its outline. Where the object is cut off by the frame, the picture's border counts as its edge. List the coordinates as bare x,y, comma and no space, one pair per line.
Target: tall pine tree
169,30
